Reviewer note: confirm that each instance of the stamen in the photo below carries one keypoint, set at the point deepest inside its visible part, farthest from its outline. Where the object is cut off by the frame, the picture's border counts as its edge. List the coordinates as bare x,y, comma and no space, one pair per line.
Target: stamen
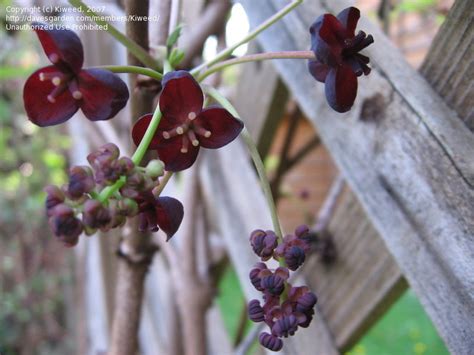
202,132
192,115
174,132
53,76
56,81
192,138
58,90
54,58
74,89
77,95
184,148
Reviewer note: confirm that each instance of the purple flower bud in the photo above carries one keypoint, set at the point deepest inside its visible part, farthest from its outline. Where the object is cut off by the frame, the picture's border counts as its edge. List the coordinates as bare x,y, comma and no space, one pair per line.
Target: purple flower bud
294,257
95,215
308,319
272,284
255,311
54,196
128,207
263,243
125,166
270,341
81,181
285,326
301,231
105,154
65,225
306,302
254,275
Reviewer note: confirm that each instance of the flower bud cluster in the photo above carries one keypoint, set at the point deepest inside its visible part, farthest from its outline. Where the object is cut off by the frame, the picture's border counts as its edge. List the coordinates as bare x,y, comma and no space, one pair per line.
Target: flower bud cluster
285,308
74,209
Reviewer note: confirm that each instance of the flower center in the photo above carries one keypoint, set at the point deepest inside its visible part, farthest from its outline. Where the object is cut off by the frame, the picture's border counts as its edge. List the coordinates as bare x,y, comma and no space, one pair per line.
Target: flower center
61,82
190,132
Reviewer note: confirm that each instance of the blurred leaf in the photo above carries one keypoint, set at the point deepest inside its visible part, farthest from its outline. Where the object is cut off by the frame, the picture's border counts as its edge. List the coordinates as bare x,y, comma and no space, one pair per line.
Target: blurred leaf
10,72
174,36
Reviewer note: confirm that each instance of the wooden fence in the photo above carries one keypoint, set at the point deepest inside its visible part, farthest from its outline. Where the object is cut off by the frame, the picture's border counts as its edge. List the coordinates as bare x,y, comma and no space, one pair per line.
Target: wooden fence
406,150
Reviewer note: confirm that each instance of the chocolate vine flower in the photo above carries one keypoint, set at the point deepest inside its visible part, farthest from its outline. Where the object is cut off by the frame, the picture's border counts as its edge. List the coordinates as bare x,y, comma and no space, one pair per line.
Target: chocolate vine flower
159,212
185,125
54,93
338,62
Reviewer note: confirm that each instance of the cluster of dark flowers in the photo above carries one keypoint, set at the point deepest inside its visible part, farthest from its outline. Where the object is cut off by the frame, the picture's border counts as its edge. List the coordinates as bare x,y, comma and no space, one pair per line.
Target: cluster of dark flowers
74,208
285,307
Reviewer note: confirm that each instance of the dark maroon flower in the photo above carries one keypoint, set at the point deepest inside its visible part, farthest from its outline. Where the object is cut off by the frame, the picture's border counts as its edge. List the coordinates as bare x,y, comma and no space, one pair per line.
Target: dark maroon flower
294,257
185,125
95,215
254,275
81,181
263,243
338,62
54,93
274,283
285,326
64,224
54,197
255,311
270,341
159,212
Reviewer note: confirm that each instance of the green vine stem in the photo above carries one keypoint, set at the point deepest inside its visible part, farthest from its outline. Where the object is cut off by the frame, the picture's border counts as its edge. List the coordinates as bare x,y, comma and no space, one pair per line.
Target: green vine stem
256,58
257,160
141,54
136,157
263,26
132,70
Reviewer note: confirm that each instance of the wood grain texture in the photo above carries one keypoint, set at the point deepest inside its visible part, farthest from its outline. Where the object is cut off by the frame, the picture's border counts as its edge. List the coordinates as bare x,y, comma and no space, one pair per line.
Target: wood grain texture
451,75
363,282
407,156
245,210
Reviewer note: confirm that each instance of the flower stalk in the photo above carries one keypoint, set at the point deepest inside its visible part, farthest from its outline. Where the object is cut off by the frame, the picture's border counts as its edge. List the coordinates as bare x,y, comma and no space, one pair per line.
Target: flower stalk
257,160
254,33
132,69
257,58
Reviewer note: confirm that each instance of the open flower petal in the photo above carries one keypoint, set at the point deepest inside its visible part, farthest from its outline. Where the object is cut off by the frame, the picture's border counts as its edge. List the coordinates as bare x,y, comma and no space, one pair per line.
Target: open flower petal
349,18
170,152
318,70
181,95
140,127
327,39
39,109
169,215
223,127
62,47
341,88
103,94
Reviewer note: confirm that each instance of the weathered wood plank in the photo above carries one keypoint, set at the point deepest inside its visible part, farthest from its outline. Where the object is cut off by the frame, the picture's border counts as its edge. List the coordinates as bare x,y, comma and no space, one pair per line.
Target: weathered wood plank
410,163
363,281
245,210
260,99
451,75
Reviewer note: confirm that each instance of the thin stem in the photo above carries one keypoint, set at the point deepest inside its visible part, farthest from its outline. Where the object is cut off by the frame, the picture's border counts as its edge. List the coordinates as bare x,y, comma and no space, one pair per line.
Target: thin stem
163,183
150,132
263,26
255,157
137,51
136,157
132,69
256,58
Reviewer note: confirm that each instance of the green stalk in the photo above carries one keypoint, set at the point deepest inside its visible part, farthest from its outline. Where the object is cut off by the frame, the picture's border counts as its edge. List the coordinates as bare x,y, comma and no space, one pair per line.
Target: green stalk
136,157
256,58
132,69
136,50
255,157
263,26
